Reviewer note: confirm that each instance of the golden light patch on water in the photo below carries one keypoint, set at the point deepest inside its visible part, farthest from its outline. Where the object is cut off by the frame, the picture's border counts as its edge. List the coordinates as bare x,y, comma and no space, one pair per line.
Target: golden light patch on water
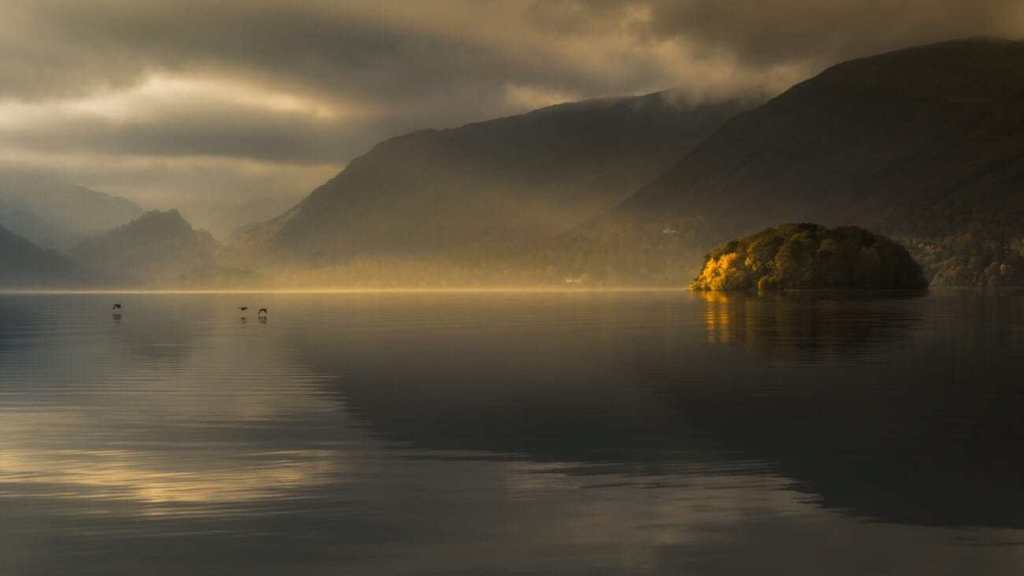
175,486
718,317
131,437
56,451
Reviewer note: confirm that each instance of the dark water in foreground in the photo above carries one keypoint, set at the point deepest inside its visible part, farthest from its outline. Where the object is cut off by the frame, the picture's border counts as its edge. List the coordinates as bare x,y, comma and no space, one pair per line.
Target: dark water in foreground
629,433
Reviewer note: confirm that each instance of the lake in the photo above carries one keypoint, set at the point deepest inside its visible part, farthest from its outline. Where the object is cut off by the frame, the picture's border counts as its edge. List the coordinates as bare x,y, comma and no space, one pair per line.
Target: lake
512,433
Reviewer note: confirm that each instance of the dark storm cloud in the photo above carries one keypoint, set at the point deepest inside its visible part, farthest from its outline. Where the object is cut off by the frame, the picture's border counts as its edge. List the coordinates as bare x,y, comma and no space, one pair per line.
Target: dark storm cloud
289,84
772,32
351,50
452,58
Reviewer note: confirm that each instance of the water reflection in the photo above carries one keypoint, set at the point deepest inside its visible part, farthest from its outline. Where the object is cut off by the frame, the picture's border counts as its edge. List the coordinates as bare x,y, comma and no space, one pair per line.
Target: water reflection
922,430
151,412
864,404
811,326
569,434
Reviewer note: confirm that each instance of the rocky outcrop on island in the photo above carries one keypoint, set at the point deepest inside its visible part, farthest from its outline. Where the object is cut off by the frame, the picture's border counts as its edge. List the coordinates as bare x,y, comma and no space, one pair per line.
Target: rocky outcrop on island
810,256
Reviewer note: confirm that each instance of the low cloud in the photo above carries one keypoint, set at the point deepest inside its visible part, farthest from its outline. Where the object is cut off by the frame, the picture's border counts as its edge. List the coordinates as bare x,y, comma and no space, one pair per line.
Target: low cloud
286,85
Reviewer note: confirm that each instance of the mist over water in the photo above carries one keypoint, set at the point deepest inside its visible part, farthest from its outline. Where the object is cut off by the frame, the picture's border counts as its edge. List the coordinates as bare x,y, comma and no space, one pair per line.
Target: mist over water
504,432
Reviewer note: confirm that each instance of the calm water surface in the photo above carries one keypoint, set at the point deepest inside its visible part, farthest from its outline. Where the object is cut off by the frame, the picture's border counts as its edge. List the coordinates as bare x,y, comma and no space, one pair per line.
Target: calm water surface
617,433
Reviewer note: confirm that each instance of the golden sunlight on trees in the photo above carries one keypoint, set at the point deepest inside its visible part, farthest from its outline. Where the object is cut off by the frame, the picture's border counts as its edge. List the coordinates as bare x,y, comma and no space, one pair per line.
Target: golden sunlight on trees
795,256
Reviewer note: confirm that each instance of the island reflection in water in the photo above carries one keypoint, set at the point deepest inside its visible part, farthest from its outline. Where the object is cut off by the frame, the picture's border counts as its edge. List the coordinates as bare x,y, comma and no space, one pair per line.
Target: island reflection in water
532,433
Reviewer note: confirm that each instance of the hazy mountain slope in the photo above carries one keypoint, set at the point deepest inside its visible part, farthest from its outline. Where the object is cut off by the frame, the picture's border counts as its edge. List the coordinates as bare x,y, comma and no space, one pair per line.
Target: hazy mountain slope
490,185
156,249
926,144
55,214
23,264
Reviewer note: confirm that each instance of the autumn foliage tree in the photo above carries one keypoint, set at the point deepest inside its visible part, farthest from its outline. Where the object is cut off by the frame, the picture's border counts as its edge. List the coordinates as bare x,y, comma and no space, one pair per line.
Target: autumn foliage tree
809,256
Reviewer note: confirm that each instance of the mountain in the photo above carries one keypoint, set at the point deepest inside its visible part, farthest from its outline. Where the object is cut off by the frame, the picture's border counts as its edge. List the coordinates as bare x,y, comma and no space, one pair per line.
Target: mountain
924,144
23,264
461,194
55,214
156,249
223,215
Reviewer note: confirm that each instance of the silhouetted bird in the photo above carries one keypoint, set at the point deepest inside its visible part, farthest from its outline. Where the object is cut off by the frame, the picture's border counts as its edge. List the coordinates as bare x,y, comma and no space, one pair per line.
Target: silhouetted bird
116,307
243,308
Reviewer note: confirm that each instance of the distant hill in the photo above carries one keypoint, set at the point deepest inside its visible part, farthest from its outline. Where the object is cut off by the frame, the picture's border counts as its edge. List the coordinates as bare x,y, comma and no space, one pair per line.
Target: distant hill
464,193
156,249
55,214
925,144
25,265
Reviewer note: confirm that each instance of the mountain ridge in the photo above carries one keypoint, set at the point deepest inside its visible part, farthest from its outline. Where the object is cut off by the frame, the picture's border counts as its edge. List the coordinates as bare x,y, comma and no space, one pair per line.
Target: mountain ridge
924,144
57,214
487,186
158,248
26,265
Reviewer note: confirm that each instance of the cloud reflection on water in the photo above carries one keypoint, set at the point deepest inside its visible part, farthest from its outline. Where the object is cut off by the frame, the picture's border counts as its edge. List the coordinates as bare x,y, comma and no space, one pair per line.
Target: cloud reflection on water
157,412
571,434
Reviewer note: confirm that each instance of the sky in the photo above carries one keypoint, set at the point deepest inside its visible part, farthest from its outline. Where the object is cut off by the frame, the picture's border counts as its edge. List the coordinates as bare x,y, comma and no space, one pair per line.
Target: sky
232,110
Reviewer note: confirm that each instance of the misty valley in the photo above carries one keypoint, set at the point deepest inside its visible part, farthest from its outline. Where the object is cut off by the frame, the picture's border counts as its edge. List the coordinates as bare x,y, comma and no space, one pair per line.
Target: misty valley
922,145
